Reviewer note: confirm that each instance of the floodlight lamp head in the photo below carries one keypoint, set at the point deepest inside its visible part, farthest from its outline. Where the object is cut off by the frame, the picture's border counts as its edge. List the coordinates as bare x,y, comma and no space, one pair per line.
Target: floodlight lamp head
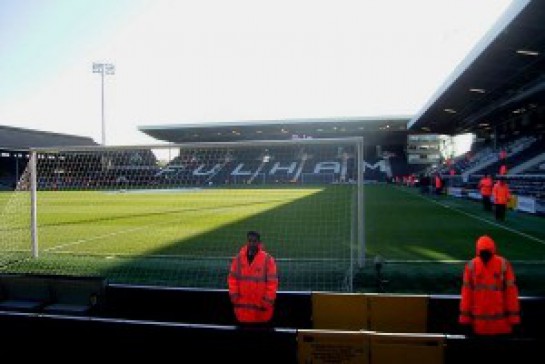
105,68
98,67
109,69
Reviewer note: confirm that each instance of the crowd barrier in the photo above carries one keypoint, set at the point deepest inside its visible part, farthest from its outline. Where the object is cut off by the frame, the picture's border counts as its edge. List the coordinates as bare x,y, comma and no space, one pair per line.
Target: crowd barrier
203,306
69,339
308,327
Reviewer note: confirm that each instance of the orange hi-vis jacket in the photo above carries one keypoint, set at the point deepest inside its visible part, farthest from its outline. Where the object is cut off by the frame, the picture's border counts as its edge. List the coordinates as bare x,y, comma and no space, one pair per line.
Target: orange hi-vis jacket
489,299
501,193
438,182
252,287
485,186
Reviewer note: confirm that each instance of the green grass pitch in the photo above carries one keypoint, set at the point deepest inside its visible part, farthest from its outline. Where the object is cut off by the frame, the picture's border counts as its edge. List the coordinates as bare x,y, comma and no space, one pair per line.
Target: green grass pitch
158,238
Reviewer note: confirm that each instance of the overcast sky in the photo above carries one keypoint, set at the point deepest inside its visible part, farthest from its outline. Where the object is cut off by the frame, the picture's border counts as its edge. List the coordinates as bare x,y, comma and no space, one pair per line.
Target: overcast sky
191,61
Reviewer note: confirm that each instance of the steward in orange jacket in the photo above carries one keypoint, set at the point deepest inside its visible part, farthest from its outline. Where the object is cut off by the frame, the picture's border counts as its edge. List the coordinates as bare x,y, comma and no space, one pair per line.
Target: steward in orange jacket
438,184
485,187
253,282
489,299
502,195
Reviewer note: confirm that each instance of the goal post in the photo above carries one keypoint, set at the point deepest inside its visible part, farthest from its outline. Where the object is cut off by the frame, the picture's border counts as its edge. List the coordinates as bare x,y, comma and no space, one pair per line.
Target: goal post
32,175
176,214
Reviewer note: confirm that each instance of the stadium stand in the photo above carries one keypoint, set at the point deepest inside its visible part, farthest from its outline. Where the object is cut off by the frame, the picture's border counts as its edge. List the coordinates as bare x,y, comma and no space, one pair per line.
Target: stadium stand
14,146
12,138
533,166
12,165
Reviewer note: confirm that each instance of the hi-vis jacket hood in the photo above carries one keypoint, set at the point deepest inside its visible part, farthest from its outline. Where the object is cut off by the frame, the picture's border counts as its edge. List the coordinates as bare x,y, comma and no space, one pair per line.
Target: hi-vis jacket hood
485,242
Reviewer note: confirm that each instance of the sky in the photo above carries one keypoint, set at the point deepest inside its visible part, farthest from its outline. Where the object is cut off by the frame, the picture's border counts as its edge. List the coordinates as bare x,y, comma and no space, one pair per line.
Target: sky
194,61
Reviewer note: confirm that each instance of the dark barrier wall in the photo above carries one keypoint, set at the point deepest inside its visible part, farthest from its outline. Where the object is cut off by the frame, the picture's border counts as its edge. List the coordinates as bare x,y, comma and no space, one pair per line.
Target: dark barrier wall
199,306
198,325
71,339
301,310
493,350
443,312
532,311
62,294
28,336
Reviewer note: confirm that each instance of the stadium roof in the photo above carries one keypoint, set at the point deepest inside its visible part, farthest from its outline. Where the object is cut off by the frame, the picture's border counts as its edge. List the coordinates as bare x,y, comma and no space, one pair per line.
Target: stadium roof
503,74
17,138
277,129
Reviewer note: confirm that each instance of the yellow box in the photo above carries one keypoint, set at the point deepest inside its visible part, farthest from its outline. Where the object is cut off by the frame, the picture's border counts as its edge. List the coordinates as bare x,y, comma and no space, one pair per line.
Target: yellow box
339,311
398,313
512,204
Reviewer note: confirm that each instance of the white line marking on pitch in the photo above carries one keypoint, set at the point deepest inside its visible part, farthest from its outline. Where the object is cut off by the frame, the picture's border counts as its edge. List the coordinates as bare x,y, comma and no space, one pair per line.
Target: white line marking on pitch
482,219
109,235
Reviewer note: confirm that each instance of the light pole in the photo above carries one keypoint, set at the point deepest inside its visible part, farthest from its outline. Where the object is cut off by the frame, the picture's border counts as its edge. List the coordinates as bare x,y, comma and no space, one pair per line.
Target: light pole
103,69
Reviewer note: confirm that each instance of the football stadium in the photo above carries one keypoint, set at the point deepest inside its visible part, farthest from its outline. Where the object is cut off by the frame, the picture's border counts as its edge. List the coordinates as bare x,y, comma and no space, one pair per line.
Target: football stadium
371,221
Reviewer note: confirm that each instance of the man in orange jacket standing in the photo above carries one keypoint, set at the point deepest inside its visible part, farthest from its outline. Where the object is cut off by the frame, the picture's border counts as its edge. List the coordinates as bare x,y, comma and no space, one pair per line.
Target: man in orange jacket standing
489,300
253,282
438,184
502,195
485,187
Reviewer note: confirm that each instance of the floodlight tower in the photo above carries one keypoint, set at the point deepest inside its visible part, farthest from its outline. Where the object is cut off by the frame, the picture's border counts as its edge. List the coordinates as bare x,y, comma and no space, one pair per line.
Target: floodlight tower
103,69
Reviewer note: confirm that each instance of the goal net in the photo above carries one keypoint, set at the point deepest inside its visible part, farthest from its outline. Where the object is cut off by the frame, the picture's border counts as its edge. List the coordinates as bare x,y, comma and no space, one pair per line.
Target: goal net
176,215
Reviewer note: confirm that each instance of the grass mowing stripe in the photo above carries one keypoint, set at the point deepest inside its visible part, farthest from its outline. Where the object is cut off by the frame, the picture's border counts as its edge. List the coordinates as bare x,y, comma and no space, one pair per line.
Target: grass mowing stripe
197,257
528,236
109,235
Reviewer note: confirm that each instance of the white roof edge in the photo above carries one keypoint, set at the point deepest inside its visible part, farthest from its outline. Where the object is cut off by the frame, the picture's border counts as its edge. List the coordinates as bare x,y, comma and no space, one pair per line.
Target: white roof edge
276,121
503,21
38,131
